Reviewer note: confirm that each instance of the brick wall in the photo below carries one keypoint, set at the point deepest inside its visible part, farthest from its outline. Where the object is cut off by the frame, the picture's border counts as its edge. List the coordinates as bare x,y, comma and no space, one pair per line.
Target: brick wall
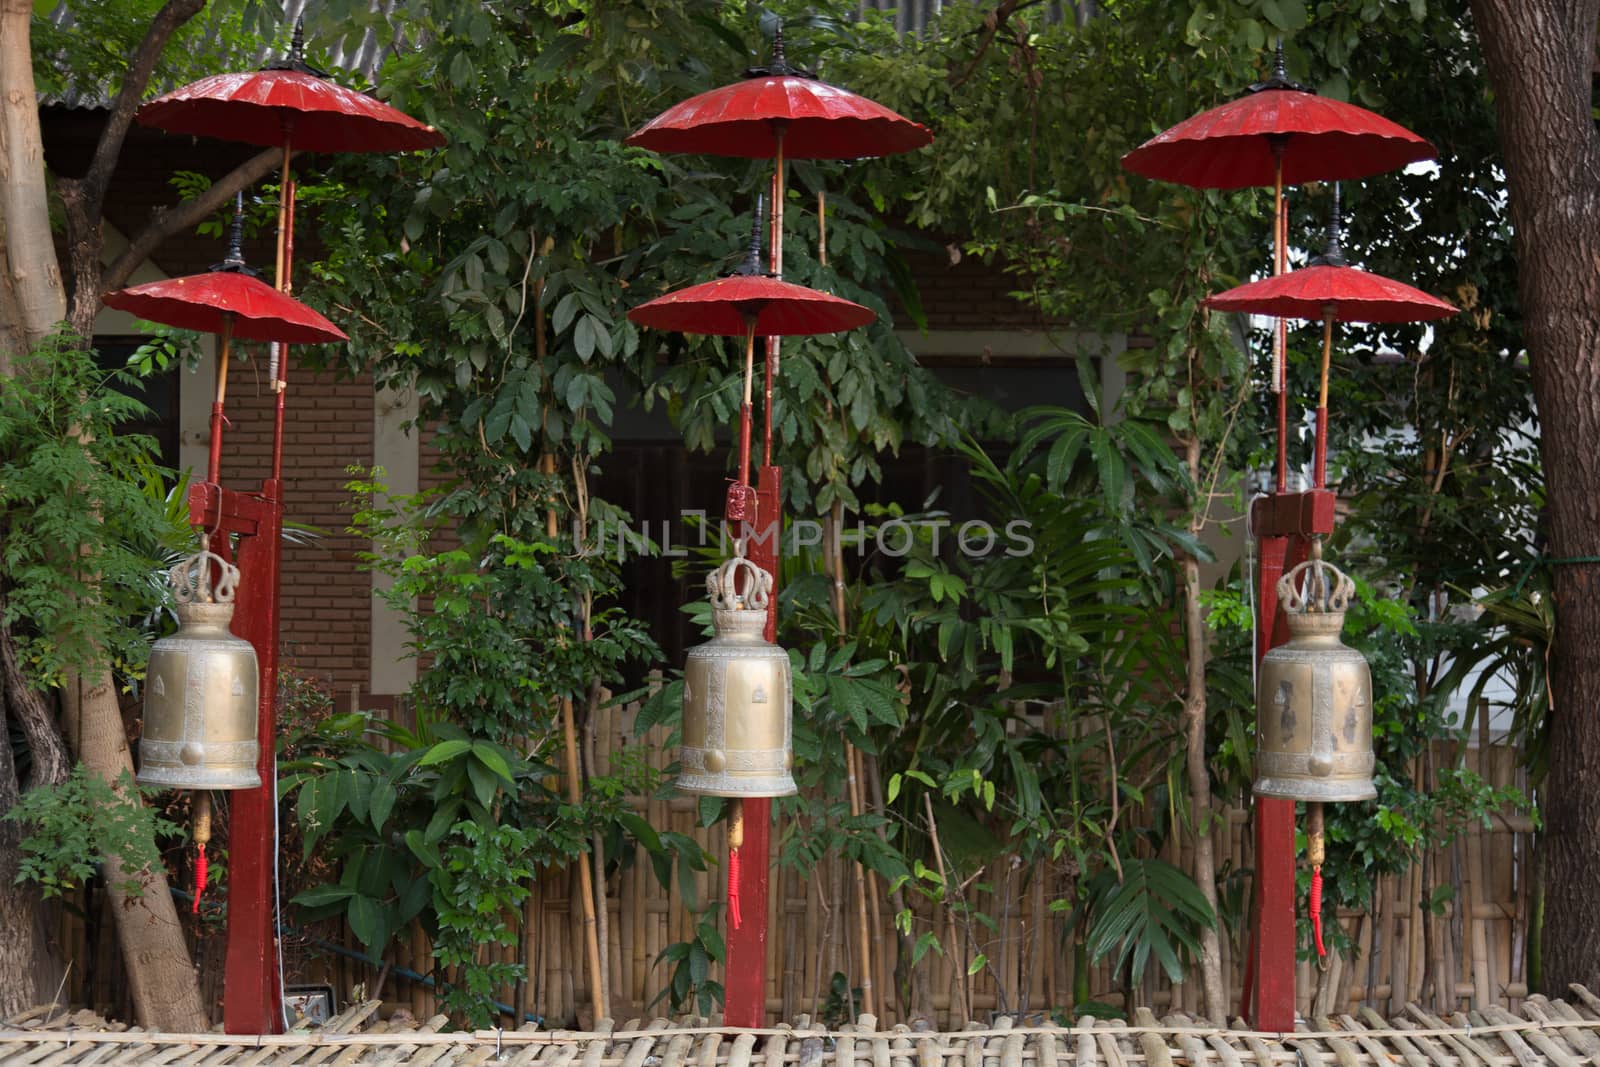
326,596
968,294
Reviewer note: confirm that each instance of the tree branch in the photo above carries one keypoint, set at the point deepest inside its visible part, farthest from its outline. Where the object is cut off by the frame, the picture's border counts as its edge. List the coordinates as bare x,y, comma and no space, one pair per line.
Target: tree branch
172,15
171,220
992,23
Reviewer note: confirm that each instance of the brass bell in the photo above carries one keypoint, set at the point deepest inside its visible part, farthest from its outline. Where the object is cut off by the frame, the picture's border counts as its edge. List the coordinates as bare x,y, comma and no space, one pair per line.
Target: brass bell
200,705
1314,696
737,696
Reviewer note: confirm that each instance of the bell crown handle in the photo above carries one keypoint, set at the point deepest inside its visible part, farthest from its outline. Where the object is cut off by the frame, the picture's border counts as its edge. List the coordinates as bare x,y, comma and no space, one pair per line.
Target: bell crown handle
192,579
1315,586
722,585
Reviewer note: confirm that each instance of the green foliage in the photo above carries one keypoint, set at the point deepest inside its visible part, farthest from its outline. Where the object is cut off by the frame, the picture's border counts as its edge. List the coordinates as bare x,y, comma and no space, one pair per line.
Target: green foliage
1148,908
69,827
75,520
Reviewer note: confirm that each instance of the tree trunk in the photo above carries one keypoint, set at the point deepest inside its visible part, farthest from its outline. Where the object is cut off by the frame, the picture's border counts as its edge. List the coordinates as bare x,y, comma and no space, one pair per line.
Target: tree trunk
165,986
1539,54
28,968
161,975
35,275
1199,772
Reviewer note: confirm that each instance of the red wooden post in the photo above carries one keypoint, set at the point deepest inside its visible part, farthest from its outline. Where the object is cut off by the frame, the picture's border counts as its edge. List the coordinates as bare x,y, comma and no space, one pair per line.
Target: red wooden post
252,1001
1283,523
745,988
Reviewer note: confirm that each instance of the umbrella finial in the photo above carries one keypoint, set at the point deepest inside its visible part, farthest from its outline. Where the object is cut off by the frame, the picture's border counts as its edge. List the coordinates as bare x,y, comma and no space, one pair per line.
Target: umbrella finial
1333,255
751,267
779,67
1280,75
233,260
296,59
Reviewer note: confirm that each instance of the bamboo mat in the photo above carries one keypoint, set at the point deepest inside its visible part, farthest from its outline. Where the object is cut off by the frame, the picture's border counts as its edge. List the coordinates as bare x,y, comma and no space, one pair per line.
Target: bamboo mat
1548,1031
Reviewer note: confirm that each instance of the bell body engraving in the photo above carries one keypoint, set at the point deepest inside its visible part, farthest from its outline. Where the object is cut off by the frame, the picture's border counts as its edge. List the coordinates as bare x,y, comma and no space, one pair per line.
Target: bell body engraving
1314,703
200,715
737,703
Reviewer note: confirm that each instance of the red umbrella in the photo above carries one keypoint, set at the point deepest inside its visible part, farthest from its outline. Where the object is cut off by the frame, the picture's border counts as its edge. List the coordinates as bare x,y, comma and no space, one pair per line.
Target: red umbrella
1336,291
288,101
749,302
223,301
292,104
781,111
229,300
1328,288
1277,131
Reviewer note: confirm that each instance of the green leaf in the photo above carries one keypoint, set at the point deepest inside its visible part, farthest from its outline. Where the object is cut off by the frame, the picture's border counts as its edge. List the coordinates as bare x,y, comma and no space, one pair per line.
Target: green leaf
444,750
490,756
381,802
423,849
322,895
366,922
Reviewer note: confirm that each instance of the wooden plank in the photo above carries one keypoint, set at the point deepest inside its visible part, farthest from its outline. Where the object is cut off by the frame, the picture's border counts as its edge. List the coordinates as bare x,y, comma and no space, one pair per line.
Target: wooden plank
1590,1001
1192,1050
1369,1044
1583,1038
1467,1055
1582,1041
1513,1043
1087,1056
1258,1048
1429,1047
1108,1049
1343,1051
1226,1053
1408,1051
1048,1055
1557,1053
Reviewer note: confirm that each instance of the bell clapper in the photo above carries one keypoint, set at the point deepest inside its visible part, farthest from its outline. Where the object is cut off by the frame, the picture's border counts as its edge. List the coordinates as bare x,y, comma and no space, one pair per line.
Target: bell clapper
1316,852
202,834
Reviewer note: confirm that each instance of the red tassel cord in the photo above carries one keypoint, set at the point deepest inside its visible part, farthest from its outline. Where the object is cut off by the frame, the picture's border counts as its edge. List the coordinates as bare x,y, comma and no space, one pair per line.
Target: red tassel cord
735,842
202,834
199,875
1316,909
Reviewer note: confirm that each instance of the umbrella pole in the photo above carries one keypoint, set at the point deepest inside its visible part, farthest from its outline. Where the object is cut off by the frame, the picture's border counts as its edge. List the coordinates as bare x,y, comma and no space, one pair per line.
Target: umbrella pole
775,244
214,467
1321,471
285,280
744,410
1280,336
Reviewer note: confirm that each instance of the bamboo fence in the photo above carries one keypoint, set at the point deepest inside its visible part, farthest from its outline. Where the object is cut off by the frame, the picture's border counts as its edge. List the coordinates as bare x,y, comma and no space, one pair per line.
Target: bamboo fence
1550,1032
1465,952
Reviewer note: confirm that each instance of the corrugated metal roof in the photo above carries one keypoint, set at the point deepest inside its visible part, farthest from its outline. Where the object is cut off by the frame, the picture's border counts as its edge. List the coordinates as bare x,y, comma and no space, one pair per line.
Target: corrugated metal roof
915,16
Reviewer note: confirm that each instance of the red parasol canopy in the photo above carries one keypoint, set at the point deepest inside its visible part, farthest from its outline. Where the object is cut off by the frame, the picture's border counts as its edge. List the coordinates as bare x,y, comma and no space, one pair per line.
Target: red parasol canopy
1330,289
1241,143
288,101
726,306
816,120
204,301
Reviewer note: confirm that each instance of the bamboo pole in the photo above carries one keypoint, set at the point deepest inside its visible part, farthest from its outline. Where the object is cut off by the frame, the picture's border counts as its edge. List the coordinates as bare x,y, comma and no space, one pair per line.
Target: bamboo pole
570,771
